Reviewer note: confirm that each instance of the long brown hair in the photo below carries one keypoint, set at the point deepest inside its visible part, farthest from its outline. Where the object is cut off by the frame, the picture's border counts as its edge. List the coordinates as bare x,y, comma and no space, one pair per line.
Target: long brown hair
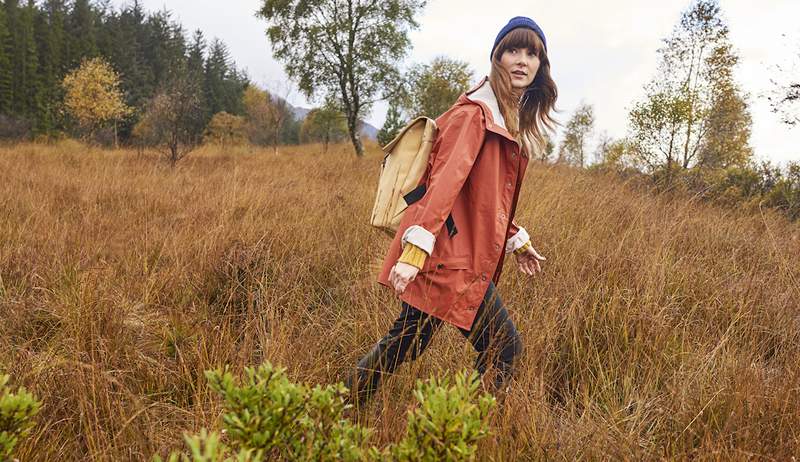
527,117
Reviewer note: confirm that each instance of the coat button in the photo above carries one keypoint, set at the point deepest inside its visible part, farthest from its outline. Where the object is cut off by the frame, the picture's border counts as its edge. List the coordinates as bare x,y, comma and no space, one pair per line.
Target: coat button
483,277
497,247
514,155
508,185
440,266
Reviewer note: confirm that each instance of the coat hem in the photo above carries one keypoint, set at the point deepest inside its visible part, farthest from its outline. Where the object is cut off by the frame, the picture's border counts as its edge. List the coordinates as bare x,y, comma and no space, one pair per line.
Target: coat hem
421,305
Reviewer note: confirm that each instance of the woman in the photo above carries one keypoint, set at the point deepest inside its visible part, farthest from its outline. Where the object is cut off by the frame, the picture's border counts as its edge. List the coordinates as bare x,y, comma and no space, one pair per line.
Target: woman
475,171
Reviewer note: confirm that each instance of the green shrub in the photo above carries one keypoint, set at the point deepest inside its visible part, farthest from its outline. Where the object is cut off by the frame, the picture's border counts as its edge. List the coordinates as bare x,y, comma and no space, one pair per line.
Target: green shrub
206,447
271,413
267,416
785,195
448,423
16,416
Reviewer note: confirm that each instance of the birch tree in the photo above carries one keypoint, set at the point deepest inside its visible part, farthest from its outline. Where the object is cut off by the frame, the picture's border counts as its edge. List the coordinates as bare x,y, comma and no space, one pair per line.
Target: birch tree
346,51
692,104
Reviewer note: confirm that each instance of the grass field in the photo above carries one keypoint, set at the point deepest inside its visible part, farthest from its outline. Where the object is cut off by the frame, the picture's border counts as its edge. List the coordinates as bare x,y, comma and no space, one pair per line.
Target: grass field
661,327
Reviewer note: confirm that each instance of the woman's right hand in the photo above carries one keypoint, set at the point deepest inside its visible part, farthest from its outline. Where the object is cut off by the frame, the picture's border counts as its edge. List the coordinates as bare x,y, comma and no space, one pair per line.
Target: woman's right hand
401,274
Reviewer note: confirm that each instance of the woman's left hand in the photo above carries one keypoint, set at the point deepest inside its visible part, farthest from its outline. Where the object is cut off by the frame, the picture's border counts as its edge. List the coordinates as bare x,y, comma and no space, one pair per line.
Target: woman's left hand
528,261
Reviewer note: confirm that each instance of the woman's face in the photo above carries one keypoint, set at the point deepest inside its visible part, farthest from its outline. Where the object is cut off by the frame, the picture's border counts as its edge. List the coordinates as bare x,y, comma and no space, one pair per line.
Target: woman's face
521,64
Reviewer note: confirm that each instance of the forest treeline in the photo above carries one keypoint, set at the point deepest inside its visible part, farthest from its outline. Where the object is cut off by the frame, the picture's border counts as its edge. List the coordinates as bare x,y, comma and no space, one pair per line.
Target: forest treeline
42,42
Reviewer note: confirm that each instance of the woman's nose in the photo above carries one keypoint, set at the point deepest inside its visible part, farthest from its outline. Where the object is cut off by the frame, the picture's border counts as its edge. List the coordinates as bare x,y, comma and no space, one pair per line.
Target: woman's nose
528,60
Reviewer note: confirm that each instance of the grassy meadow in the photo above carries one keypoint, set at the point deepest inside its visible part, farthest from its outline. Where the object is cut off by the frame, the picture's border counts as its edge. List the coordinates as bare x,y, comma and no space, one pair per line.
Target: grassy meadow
662,327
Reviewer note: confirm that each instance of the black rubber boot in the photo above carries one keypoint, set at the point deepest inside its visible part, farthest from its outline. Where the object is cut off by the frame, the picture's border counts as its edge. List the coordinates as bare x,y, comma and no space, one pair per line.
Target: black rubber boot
363,382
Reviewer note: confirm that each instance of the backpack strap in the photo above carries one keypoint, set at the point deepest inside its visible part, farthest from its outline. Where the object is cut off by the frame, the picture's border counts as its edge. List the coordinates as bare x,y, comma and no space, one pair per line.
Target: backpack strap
416,194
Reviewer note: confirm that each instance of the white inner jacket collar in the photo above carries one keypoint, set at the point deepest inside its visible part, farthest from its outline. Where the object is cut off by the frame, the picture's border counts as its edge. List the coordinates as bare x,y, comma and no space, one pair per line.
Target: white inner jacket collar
485,94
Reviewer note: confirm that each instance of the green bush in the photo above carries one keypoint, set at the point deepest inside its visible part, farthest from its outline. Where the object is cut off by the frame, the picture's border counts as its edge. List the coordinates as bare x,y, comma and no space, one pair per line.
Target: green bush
448,423
16,416
267,416
785,195
206,447
269,412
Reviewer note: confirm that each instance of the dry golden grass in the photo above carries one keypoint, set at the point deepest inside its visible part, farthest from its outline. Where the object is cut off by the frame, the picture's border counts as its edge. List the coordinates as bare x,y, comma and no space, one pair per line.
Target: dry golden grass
661,328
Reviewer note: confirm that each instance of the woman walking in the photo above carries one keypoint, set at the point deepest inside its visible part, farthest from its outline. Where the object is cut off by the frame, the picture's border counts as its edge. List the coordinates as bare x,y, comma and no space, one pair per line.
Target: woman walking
477,164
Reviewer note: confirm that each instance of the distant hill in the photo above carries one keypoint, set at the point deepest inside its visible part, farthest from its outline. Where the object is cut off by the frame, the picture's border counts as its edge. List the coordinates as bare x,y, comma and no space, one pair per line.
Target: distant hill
299,112
367,130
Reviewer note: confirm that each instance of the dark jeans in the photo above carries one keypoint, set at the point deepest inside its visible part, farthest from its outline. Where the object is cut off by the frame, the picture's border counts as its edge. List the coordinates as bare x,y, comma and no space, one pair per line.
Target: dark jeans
493,336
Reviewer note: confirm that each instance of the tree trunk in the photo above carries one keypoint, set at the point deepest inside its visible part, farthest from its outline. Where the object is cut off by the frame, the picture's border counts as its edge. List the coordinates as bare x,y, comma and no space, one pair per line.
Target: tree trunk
354,137
173,153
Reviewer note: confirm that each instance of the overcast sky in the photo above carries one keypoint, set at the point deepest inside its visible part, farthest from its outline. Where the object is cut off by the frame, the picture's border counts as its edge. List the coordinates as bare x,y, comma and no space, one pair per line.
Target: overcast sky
600,52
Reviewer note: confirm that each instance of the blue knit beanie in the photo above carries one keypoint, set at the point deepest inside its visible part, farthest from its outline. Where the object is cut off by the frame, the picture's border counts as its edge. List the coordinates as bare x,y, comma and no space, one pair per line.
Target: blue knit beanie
519,21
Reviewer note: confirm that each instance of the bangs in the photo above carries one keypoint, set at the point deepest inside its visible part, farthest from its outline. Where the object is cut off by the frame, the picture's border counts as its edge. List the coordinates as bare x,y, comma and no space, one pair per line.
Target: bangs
521,37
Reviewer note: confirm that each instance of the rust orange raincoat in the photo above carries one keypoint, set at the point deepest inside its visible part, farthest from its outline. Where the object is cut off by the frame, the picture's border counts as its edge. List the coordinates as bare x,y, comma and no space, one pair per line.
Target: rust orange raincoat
475,172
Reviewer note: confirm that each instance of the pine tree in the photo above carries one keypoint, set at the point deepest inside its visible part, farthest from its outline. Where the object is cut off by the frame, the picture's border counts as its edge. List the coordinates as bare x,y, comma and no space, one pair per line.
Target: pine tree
166,48
131,62
5,64
50,39
16,56
195,68
216,72
29,97
81,27
391,126
224,84
196,56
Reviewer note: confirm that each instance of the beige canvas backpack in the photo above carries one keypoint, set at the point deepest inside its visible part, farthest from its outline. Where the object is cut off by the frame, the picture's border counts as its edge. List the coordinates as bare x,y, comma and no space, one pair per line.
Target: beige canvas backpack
404,164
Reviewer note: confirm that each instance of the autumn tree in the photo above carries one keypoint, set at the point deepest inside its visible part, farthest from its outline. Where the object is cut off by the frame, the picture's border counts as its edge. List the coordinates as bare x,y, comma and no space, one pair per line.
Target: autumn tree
278,112
614,153
267,115
92,95
728,124
432,88
324,125
693,112
577,132
226,130
171,119
258,116
344,51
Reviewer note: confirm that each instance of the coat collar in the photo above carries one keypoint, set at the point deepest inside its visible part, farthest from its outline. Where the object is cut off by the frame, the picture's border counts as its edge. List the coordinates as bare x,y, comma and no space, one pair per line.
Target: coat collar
483,95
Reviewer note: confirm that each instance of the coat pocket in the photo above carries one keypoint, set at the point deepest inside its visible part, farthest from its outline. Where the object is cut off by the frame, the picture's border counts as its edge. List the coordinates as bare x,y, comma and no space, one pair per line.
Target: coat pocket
452,276
446,263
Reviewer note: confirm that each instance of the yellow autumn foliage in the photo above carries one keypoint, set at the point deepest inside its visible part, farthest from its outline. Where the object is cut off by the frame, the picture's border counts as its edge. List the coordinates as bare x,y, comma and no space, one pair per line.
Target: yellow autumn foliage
92,94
